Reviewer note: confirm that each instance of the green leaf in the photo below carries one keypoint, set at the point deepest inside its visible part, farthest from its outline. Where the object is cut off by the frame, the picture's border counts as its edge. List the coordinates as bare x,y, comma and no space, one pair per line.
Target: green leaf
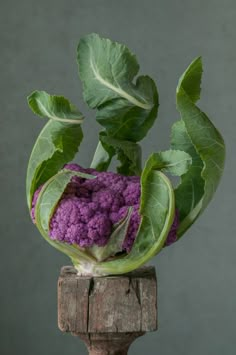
102,156
47,201
115,242
128,122
157,213
57,108
192,183
174,162
196,134
56,145
107,69
190,80
128,153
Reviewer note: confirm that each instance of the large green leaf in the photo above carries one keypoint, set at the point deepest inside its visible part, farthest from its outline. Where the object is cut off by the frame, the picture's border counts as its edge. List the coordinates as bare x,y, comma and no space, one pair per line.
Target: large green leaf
196,134
174,162
47,201
57,108
191,189
57,143
157,212
107,69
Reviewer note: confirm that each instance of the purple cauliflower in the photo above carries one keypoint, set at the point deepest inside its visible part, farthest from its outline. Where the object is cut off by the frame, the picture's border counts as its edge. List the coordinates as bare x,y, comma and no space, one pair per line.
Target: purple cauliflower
35,198
89,208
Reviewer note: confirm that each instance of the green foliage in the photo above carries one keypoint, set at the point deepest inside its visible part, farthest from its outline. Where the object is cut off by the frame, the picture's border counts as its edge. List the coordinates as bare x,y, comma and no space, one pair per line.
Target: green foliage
102,156
107,69
57,143
126,107
128,153
196,134
57,108
174,162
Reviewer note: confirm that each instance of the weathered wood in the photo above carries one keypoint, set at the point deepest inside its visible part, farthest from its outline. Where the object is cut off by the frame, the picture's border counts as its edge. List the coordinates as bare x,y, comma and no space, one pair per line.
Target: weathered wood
109,343
73,295
107,312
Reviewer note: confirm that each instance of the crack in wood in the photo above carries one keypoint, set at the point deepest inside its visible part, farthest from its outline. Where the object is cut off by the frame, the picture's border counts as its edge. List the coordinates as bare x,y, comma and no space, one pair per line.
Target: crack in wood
91,287
90,293
76,303
134,284
125,303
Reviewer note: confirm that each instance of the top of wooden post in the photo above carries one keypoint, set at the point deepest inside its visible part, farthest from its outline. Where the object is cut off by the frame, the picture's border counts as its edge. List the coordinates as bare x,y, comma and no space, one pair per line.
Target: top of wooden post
110,304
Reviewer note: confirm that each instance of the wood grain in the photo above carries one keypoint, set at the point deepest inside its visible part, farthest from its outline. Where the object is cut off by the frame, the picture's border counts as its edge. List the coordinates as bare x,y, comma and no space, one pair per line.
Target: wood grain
108,313
126,303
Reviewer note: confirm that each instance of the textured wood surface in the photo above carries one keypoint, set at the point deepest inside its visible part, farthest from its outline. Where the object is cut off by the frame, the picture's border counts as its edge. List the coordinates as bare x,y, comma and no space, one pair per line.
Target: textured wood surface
125,303
109,343
107,313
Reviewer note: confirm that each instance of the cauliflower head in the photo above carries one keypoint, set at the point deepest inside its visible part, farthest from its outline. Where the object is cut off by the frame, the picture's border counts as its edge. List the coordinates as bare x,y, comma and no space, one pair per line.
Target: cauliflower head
89,210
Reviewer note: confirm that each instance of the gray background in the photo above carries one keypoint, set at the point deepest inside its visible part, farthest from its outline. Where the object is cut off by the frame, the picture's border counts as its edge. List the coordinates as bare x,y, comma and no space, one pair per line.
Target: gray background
197,304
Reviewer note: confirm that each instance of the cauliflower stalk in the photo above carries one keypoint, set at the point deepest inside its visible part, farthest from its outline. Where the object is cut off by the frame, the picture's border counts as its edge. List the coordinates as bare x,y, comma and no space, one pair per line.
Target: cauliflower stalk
107,222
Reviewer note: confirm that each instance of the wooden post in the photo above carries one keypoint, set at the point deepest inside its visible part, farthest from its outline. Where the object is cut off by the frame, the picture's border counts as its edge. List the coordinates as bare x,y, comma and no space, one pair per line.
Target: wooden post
107,313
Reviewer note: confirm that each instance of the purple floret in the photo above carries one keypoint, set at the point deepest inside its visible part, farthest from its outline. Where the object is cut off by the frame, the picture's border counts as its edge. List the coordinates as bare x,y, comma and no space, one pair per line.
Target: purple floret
135,220
89,208
132,193
99,229
35,198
